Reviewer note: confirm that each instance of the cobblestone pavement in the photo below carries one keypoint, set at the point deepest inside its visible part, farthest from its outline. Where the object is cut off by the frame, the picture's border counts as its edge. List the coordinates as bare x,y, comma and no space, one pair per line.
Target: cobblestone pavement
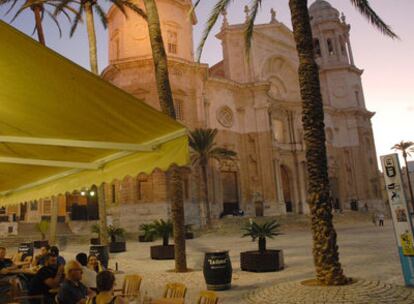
366,252
361,292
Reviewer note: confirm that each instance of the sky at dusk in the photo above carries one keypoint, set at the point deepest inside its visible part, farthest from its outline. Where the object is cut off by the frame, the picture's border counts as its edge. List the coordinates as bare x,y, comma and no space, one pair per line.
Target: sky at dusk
388,65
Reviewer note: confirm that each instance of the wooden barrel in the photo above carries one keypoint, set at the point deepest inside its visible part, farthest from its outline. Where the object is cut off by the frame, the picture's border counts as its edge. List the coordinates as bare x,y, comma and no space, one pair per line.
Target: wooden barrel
101,252
217,270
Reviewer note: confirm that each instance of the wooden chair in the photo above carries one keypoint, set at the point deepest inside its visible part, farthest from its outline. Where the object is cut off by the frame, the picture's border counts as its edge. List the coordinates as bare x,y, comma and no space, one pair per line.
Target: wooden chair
175,290
207,297
131,285
17,294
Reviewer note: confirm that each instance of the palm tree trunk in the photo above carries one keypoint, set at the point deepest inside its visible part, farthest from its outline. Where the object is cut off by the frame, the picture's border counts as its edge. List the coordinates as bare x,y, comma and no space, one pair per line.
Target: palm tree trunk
167,106
410,188
325,249
178,219
206,199
37,11
262,244
160,59
90,25
103,231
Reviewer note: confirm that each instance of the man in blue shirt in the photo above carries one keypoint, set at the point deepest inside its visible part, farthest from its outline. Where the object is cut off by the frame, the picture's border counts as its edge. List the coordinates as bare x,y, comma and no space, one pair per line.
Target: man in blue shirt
72,290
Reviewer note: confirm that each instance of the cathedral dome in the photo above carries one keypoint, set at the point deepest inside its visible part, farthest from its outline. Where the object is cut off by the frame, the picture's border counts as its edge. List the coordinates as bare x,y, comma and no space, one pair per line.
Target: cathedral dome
323,10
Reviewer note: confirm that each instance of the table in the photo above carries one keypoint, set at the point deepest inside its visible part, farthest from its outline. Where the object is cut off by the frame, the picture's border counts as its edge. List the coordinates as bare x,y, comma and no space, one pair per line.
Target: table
168,301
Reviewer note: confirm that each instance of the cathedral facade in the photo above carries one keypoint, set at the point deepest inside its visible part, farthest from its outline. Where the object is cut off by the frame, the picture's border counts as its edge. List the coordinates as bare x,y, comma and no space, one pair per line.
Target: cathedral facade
255,104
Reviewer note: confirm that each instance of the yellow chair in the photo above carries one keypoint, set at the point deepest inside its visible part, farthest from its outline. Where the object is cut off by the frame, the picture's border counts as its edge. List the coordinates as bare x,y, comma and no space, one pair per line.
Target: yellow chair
175,290
130,286
207,297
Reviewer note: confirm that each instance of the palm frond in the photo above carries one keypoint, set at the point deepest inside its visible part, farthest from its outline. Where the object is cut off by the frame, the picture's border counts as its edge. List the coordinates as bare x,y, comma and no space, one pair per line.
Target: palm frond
136,9
101,14
365,9
218,9
248,33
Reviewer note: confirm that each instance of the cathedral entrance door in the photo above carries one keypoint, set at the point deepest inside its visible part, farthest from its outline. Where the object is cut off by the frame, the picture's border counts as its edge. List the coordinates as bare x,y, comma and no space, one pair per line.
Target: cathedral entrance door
286,188
230,192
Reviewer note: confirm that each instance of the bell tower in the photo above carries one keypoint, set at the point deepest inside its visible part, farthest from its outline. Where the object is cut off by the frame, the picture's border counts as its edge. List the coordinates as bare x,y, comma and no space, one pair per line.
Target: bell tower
129,37
333,53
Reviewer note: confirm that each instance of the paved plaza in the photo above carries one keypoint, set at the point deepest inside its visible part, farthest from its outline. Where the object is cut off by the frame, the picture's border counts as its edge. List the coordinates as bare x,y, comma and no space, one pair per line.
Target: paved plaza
368,253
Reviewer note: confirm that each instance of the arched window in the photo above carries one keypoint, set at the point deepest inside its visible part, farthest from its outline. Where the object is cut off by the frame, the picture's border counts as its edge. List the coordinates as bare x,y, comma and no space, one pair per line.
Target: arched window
172,39
278,130
317,47
179,109
330,45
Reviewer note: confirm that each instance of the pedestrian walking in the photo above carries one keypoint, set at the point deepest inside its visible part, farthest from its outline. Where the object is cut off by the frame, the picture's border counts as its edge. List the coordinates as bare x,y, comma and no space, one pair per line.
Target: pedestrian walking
381,219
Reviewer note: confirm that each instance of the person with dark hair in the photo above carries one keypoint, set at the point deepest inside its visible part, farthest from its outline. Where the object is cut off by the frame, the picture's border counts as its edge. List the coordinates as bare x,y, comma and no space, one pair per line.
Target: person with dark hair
55,251
94,264
89,276
105,282
6,265
39,259
48,277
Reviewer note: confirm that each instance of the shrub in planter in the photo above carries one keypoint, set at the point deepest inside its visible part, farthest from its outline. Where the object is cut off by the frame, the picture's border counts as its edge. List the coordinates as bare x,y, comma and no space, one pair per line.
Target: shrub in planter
165,251
42,227
117,236
147,233
263,259
96,230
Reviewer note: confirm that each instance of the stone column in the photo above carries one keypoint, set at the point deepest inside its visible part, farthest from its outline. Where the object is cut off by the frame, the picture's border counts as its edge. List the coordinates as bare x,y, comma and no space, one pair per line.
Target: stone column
279,187
102,215
53,220
351,56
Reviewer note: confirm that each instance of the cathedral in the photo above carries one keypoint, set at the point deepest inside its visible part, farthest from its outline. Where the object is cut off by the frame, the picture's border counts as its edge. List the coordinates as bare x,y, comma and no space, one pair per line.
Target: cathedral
254,101
255,104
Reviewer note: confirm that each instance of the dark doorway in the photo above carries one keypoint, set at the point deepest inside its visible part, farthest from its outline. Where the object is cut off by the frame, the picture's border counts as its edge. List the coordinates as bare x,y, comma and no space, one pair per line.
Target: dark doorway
230,192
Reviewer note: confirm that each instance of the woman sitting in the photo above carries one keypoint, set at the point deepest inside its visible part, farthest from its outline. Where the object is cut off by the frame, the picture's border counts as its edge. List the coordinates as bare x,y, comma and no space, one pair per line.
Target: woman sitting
94,264
105,282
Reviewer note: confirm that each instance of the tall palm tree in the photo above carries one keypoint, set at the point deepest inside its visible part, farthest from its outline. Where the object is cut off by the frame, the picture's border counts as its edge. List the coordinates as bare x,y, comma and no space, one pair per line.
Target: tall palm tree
203,146
39,9
404,148
325,249
88,7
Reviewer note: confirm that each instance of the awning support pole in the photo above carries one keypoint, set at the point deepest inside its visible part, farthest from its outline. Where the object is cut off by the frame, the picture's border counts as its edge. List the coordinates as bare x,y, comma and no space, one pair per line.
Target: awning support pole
102,215
53,220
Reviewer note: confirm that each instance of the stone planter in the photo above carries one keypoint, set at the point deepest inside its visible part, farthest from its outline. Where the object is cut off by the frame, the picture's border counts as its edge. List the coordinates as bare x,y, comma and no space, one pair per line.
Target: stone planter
143,239
40,244
95,241
161,252
117,247
270,260
189,235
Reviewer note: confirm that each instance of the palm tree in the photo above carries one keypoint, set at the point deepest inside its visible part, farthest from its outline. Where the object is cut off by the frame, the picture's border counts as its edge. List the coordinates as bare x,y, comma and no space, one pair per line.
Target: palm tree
87,7
39,8
203,146
325,250
404,147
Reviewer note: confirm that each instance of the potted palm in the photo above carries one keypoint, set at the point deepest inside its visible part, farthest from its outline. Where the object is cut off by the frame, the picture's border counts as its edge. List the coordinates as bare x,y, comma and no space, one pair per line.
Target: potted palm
117,237
147,233
263,259
96,231
42,227
163,229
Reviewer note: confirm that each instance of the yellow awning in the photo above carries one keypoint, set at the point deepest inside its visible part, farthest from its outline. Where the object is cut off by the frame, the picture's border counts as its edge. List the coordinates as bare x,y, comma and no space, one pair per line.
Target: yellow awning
63,128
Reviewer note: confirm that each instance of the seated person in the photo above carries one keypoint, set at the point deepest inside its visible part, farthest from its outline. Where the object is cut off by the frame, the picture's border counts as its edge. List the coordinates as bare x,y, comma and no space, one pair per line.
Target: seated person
94,264
39,259
89,276
6,265
48,277
72,290
55,251
105,282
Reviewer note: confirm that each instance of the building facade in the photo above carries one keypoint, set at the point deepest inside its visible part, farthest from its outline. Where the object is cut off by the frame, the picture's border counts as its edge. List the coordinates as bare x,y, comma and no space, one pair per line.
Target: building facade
255,104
